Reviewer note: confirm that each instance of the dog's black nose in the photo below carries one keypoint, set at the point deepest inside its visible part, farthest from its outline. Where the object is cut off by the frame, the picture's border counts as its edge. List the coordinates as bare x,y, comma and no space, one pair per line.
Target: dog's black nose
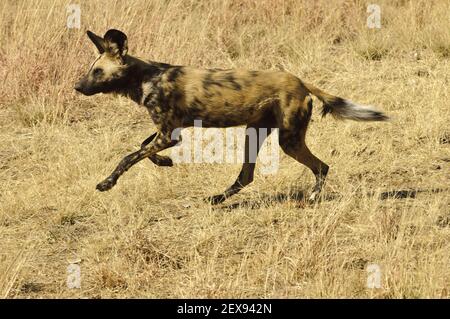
78,87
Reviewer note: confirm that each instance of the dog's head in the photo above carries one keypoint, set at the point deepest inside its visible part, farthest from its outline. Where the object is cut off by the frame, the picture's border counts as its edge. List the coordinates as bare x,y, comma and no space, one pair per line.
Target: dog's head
108,72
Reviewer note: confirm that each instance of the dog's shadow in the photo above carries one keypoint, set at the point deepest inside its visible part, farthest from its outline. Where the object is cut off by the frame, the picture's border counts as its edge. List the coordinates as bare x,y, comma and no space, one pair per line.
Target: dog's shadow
406,193
267,200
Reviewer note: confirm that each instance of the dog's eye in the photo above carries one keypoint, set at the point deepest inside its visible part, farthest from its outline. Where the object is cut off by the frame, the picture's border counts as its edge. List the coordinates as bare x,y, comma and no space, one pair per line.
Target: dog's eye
97,72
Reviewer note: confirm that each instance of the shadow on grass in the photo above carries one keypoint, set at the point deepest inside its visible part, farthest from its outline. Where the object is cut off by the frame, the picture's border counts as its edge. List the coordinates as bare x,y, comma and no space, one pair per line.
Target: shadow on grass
407,193
267,200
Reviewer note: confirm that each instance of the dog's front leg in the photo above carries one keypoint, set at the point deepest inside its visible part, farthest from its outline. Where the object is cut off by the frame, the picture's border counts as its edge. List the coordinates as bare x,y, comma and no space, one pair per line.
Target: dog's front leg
159,143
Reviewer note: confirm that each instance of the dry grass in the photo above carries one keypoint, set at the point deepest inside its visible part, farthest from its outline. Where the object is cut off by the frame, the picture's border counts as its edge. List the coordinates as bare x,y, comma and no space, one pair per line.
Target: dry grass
142,240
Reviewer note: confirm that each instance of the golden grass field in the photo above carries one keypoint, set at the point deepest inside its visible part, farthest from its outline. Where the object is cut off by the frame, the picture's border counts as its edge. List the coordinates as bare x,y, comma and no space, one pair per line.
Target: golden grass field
386,201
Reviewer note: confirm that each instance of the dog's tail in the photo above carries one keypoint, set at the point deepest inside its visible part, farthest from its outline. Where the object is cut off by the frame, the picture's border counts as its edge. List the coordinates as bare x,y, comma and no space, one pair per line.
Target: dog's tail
344,109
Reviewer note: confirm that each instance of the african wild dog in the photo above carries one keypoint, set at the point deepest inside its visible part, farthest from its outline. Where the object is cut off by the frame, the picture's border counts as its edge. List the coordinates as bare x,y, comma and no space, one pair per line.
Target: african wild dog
177,95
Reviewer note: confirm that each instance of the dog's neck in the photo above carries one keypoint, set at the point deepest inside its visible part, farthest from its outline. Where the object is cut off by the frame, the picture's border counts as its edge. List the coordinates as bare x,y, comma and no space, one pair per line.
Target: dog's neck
137,73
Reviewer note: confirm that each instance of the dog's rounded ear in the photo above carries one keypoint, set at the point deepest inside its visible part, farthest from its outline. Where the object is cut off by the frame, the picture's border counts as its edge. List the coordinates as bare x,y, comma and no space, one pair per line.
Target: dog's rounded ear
116,42
98,41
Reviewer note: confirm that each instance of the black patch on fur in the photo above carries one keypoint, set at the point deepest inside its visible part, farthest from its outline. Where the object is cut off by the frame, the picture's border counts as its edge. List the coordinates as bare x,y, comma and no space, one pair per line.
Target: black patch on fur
289,97
174,72
148,98
226,80
231,79
176,96
154,96
197,104
328,107
290,137
208,82
308,115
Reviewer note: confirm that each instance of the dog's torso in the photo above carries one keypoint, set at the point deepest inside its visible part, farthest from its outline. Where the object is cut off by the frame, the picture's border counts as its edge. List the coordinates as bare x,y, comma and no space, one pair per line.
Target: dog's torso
179,95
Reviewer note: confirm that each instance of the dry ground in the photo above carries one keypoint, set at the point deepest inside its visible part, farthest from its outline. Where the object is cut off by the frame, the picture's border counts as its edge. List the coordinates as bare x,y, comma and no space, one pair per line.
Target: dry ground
386,200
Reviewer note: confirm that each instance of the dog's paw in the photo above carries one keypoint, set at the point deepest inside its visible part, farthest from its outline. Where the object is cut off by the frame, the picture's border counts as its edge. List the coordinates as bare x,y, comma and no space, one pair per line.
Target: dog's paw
162,160
313,198
216,199
106,185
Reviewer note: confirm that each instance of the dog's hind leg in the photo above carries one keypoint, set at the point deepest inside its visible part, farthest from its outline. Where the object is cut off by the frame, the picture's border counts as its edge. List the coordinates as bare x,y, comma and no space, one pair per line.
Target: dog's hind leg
303,155
252,148
292,141
155,158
